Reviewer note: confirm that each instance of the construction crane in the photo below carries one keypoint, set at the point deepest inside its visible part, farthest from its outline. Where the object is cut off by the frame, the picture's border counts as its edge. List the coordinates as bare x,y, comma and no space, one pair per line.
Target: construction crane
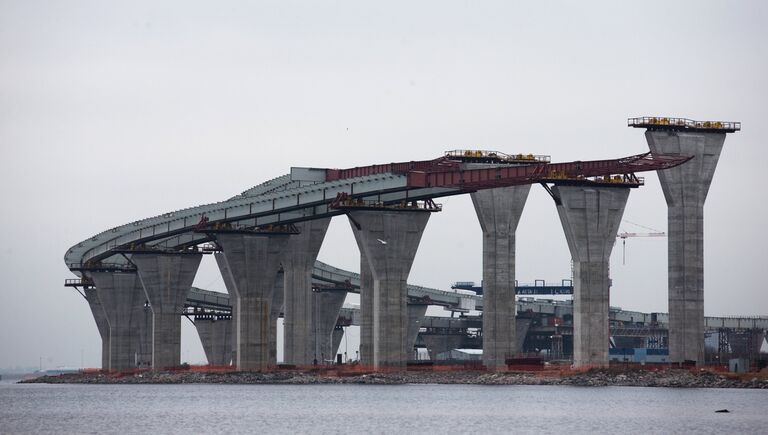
625,235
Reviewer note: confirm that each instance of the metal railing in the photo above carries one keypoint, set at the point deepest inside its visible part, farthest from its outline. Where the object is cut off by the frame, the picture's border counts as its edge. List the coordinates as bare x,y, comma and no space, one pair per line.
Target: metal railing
345,201
116,267
78,282
651,121
616,179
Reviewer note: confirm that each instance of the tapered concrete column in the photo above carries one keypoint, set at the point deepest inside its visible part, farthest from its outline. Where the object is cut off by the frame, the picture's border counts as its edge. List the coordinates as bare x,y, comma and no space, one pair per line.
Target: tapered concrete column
499,211
325,315
253,261
216,338
366,307
416,313
278,297
275,309
101,324
390,240
300,255
120,294
685,189
336,336
226,275
167,279
590,217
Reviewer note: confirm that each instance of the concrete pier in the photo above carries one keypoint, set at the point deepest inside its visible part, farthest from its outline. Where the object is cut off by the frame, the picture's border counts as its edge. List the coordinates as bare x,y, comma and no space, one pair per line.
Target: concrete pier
325,315
101,323
499,211
167,279
226,276
366,307
390,240
416,313
253,260
120,294
298,260
277,307
685,190
216,338
590,217
439,343
336,336
141,326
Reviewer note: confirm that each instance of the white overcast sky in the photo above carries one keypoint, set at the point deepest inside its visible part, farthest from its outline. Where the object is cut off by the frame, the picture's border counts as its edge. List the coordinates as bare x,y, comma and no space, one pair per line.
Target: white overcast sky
112,112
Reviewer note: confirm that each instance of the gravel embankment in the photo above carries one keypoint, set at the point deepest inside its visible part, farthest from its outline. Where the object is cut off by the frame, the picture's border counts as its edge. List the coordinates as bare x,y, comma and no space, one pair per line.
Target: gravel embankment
592,378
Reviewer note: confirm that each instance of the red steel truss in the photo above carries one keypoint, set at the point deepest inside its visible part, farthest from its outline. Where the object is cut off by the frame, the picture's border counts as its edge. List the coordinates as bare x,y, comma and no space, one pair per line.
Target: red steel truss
444,172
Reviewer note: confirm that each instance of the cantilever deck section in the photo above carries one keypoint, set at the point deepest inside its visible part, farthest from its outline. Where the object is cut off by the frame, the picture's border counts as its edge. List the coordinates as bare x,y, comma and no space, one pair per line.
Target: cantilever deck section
311,192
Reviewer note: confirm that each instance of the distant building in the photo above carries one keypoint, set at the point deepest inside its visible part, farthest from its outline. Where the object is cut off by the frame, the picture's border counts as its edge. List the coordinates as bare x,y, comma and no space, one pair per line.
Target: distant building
638,355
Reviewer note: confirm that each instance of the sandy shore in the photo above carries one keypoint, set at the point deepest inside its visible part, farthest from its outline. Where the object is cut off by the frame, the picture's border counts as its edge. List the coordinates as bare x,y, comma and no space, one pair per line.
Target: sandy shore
595,378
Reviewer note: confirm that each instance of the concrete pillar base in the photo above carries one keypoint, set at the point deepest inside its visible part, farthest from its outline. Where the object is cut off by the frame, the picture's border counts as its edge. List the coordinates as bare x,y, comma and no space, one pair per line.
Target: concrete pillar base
120,295
324,317
366,310
167,279
278,305
101,324
253,261
590,217
215,336
298,262
416,313
338,334
390,240
499,211
226,275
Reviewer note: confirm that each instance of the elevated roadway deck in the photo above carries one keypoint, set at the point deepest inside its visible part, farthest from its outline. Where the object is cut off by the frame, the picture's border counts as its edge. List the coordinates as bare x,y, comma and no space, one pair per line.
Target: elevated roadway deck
309,193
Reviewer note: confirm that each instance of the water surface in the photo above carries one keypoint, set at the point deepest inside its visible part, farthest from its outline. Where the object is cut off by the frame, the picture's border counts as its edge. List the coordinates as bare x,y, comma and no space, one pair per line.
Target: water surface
320,409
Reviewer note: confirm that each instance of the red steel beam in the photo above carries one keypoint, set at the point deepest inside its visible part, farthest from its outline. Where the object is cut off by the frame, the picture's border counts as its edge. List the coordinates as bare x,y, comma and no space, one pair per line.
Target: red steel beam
472,179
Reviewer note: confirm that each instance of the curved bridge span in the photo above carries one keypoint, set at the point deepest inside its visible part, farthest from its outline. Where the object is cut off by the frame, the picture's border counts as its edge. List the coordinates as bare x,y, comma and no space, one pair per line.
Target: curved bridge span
266,241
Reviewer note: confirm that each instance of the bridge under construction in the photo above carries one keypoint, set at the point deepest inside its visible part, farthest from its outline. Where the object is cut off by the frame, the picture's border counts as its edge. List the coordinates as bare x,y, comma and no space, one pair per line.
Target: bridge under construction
137,278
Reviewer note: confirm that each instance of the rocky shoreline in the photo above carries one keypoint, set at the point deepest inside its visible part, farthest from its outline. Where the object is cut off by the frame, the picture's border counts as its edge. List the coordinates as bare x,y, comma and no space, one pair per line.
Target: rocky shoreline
591,378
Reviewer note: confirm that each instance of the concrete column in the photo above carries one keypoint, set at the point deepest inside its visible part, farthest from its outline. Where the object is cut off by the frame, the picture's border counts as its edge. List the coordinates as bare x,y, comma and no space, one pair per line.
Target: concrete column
336,336
390,240
685,189
590,217
167,279
253,261
216,338
298,261
141,327
366,308
499,211
120,294
440,343
416,313
325,315
101,324
226,275
278,297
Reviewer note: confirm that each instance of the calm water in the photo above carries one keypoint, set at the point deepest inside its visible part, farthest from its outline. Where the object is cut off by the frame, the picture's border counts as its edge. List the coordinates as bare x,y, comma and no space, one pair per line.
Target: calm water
360,409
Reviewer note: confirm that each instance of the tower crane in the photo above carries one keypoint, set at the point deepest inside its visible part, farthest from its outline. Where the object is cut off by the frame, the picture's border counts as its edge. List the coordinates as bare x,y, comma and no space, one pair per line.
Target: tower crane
624,235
